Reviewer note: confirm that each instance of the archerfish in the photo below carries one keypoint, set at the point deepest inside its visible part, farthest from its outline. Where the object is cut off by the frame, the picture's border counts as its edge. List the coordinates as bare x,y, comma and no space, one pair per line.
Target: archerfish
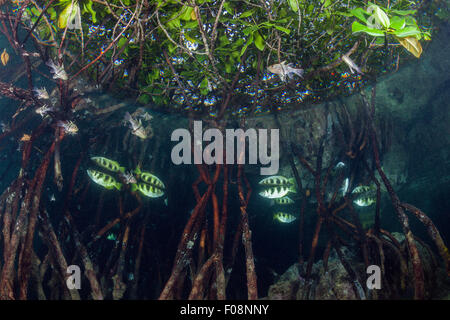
283,201
136,126
363,189
275,192
351,64
111,237
149,178
277,181
103,179
147,190
108,164
284,70
364,201
284,217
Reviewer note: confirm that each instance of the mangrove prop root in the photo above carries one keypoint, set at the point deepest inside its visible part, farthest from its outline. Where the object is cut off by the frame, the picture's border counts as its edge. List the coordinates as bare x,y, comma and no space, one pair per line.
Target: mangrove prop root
88,265
52,243
432,231
246,239
419,287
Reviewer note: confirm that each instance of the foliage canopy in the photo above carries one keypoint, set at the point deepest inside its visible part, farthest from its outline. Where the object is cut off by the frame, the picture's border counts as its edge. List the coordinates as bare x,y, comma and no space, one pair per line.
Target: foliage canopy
211,57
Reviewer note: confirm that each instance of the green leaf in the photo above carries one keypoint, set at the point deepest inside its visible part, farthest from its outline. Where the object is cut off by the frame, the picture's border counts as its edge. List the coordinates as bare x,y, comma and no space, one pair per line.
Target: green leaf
190,24
407,32
87,6
52,14
398,23
186,13
382,17
151,76
35,11
239,42
228,67
410,21
259,41
404,12
249,30
121,42
359,13
247,14
358,27
379,41
330,30
266,24
284,20
282,29
68,14
228,7
144,99
294,5
249,42
204,83
172,47
345,14
224,40
174,24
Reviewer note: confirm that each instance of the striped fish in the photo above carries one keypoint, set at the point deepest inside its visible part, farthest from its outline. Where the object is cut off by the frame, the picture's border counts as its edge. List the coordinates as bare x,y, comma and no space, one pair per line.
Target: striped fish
112,237
363,189
149,178
275,192
276,181
103,179
284,217
284,200
364,201
108,164
147,190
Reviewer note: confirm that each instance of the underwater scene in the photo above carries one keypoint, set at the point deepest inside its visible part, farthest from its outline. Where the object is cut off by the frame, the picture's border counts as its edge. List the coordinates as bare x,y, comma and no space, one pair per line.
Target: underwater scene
224,150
